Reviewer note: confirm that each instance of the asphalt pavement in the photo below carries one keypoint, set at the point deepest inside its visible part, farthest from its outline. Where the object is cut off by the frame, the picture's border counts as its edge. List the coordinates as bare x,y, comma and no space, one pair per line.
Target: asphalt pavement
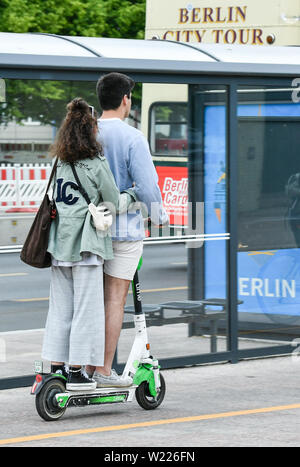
254,403
24,291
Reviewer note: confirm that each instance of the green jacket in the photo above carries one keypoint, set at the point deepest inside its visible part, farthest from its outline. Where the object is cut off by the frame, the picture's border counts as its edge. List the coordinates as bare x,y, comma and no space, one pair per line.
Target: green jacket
73,231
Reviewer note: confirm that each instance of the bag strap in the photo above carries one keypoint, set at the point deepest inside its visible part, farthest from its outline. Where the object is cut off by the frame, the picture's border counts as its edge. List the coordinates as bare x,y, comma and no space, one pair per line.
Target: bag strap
52,174
80,187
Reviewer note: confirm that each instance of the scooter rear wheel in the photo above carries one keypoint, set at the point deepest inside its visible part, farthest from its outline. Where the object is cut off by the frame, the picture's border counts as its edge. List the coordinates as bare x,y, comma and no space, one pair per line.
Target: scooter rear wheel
145,399
45,401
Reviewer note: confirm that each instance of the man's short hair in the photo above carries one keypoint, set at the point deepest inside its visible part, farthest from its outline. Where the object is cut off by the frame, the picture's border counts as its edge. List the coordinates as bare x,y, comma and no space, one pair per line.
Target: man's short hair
111,89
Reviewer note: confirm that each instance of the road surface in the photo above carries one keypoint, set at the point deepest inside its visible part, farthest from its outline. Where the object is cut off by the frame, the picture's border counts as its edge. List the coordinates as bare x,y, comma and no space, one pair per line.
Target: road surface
24,291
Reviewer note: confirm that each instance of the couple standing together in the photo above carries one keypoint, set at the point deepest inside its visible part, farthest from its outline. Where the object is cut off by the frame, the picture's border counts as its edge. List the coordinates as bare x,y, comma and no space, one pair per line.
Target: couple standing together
91,271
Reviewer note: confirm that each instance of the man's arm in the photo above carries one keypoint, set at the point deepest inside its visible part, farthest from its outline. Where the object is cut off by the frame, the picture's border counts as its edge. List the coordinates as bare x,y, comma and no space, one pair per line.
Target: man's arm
144,175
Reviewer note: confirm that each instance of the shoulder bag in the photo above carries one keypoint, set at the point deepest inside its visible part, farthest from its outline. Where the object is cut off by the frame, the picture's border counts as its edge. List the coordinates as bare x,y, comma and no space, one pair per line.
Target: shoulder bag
34,251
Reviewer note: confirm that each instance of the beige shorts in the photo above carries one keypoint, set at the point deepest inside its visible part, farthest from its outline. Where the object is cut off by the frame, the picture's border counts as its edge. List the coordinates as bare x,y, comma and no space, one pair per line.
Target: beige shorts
126,259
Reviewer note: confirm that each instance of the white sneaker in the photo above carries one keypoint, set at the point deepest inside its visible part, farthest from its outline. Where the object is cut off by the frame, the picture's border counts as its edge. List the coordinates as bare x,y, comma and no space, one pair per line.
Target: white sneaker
114,380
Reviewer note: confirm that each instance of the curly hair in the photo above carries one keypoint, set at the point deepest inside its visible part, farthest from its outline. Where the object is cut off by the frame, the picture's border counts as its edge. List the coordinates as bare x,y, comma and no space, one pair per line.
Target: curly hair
76,138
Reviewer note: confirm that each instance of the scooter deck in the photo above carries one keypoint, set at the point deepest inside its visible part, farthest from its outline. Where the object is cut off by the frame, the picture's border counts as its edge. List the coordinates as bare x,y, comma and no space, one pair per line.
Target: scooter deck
99,396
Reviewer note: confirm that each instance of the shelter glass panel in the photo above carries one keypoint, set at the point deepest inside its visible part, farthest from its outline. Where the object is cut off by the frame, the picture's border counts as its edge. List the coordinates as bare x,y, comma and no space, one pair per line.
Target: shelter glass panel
268,215
186,278
31,111
185,262
208,174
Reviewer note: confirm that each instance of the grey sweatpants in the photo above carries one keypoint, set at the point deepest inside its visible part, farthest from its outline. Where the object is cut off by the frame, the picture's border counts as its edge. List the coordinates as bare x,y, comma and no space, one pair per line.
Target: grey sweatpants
75,328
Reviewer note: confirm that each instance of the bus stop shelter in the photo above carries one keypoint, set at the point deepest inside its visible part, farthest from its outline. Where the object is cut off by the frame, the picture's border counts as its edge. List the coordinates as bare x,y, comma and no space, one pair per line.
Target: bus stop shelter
243,117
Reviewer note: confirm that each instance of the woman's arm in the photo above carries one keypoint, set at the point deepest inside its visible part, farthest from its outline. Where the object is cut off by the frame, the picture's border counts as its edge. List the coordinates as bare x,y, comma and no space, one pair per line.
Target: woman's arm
112,198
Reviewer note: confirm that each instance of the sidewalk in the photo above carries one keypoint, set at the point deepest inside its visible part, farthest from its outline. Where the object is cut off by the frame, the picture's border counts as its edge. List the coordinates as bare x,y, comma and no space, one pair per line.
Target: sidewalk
22,348
218,399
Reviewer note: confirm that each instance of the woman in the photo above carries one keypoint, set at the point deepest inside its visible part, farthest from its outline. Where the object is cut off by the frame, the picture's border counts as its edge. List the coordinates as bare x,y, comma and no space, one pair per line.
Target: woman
75,325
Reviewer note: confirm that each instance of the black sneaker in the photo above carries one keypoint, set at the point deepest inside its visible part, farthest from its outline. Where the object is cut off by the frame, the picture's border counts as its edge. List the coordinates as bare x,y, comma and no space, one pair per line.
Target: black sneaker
60,370
78,380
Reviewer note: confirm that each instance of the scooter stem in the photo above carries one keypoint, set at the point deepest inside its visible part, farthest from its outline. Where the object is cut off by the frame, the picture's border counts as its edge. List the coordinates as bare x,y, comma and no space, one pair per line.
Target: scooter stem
139,349
138,309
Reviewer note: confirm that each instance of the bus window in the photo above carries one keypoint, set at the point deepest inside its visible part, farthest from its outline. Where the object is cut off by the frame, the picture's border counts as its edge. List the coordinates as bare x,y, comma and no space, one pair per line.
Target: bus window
168,128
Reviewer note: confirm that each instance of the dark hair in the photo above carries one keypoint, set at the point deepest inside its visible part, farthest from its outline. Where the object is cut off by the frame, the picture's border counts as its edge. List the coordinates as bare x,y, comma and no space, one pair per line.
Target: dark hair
111,89
76,138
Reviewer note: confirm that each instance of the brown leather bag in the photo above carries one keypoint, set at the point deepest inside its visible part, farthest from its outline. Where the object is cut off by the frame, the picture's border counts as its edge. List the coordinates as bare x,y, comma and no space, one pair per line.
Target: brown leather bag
34,251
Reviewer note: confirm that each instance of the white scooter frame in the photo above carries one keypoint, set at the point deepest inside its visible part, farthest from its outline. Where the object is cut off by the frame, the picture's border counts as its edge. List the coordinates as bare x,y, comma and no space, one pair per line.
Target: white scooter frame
140,351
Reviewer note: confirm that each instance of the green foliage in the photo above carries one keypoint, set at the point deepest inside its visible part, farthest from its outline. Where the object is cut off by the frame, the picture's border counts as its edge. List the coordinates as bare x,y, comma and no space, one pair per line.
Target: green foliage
46,101
93,18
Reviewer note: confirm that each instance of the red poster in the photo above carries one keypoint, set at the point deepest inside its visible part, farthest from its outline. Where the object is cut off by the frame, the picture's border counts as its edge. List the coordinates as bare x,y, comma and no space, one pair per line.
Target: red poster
173,183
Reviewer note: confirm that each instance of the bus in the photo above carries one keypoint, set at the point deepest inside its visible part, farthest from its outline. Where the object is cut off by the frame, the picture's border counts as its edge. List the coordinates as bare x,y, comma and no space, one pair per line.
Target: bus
268,143
164,106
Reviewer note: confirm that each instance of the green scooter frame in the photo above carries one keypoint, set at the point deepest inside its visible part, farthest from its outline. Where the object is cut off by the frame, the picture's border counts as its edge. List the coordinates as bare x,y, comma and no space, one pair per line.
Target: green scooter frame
52,398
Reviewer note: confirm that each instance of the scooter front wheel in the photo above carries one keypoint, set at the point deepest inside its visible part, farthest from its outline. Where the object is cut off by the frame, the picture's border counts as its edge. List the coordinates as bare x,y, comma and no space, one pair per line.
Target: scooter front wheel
45,401
145,399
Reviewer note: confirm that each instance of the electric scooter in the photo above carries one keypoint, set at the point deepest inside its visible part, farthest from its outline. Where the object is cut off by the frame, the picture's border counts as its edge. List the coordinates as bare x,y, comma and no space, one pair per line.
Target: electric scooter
148,384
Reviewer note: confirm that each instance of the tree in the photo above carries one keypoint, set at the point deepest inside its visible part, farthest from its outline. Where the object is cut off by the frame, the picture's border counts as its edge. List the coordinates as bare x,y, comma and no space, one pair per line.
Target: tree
94,18
45,100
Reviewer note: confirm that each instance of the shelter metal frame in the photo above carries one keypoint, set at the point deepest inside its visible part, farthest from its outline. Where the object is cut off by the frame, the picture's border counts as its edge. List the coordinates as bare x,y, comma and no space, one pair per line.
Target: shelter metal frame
231,75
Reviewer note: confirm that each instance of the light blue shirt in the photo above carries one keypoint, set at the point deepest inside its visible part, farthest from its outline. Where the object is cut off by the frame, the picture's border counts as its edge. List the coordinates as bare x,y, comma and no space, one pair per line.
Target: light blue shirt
127,152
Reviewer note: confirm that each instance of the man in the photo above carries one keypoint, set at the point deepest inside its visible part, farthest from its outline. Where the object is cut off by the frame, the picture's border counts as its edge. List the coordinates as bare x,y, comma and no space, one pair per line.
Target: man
128,155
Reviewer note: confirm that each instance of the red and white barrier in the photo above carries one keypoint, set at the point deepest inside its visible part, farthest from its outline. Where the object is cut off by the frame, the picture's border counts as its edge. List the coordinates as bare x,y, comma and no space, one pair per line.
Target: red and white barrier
22,187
